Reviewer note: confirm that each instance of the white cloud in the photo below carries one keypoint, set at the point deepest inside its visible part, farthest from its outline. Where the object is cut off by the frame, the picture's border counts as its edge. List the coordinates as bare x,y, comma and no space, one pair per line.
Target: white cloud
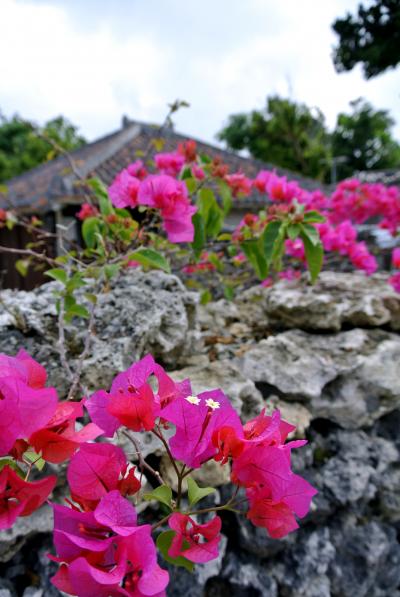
92,77
223,57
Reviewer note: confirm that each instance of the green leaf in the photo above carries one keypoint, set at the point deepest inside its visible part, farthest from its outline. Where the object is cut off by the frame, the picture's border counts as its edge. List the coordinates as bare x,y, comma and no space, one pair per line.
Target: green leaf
75,282
58,274
205,159
212,214
151,258
224,236
100,191
196,493
22,266
229,292
293,231
186,173
314,256
91,297
90,227
191,184
255,256
269,238
313,217
312,233
162,494
37,460
111,270
12,464
226,196
217,263
205,297
199,239
163,543
76,311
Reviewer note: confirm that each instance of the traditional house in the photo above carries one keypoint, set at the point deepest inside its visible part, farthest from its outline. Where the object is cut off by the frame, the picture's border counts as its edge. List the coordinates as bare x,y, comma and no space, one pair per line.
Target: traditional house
50,192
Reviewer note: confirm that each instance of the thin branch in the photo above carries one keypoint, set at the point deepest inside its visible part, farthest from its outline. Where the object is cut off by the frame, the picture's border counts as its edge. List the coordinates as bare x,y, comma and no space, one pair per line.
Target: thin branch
61,340
165,443
78,371
30,253
142,463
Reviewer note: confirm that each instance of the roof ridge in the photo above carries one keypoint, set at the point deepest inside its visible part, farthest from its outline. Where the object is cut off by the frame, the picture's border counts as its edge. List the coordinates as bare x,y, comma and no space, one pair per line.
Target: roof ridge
126,134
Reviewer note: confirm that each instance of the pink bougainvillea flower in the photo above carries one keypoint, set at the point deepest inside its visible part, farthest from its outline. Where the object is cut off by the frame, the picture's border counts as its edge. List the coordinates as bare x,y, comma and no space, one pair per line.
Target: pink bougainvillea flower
23,410
195,542
189,150
279,189
124,190
168,389
263,465
396,258
97,563
261,180
169,163
290,274
131,400
143,575
239,184
87,211
136,409
261,431
137,170
170,196
361,258
23,367
97,469
58,440
19,497
101,575
278,516
228,443
198,172
78,532
267,428
196,418
124,385
395,281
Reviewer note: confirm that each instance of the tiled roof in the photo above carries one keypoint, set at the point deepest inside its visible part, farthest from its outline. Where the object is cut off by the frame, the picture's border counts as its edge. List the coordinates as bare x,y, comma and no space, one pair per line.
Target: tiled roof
42,188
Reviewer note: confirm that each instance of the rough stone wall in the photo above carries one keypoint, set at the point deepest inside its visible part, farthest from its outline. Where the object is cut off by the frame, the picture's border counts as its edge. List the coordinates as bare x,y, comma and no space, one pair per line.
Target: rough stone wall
328,356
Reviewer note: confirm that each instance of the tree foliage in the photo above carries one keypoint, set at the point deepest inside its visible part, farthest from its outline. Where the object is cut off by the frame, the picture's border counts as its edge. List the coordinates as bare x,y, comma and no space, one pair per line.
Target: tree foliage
22,149
285,133
364,141
372,38
292,135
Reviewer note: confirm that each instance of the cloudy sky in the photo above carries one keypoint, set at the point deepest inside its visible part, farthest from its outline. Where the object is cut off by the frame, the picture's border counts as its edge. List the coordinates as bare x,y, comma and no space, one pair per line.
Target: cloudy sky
94,60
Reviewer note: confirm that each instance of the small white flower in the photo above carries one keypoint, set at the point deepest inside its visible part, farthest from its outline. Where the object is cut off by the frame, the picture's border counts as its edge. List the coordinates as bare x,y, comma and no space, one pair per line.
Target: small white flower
193,400
212,403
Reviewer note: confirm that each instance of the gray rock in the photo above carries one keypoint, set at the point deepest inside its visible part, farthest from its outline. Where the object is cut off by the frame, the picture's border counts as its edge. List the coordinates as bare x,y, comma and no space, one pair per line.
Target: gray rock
304,570
350,378
184,583
245,397
299,365
13,539
367,561
141,313
336,300
247,578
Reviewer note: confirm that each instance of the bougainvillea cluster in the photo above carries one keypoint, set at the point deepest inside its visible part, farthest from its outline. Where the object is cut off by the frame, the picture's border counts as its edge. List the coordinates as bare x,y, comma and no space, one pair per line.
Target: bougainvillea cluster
352,203
101,545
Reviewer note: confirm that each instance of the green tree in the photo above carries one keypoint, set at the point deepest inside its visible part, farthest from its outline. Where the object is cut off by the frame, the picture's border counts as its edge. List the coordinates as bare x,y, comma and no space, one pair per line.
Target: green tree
287,134
22,149
363,140
372,38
